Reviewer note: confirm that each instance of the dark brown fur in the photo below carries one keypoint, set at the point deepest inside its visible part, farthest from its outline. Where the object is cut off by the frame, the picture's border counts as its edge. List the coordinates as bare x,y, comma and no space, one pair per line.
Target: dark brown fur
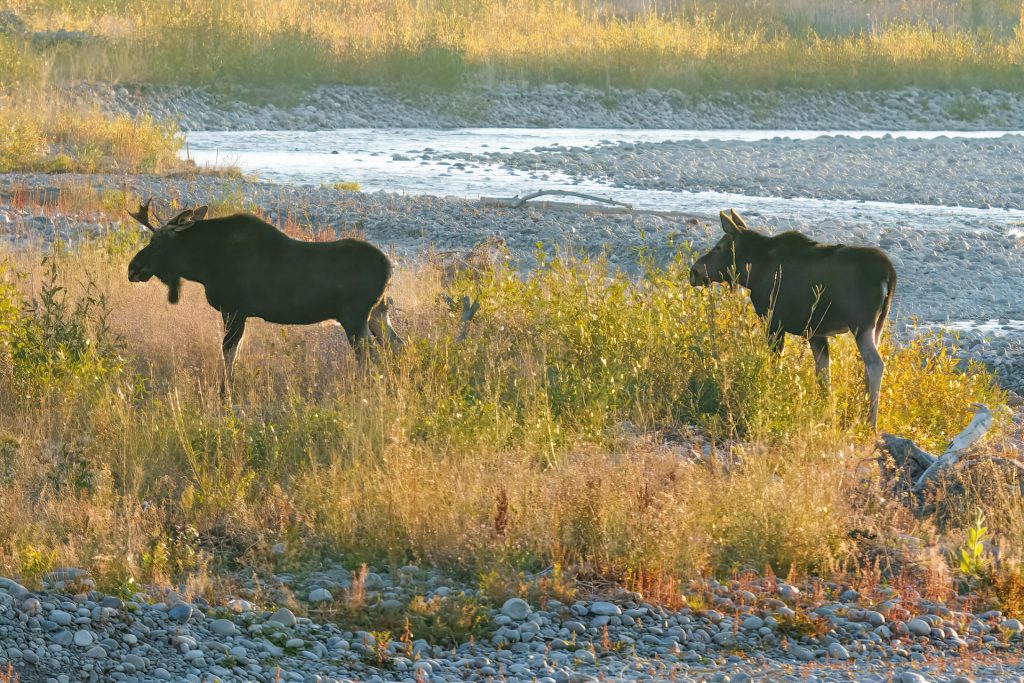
249,268
809,289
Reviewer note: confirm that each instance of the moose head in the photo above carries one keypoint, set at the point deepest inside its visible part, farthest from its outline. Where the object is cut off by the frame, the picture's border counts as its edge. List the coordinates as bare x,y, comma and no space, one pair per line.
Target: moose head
726,258
161,257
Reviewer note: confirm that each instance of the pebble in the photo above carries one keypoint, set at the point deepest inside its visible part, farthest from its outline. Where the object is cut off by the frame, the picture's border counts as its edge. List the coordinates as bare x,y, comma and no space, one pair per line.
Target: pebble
223,627
605,609
516,609
284,617
837,651
180,613
919,627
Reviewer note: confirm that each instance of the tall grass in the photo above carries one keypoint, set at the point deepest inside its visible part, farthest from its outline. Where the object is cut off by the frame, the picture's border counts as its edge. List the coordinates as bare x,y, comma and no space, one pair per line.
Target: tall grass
224,43
627,426
58,138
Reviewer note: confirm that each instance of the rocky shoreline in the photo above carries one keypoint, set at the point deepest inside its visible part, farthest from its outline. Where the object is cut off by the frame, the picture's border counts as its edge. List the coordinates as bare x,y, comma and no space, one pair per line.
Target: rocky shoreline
731,632
561,106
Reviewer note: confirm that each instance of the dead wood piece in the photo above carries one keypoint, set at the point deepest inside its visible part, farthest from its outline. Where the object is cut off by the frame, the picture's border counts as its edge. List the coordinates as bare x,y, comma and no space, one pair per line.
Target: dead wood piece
469,309
971,434
519,201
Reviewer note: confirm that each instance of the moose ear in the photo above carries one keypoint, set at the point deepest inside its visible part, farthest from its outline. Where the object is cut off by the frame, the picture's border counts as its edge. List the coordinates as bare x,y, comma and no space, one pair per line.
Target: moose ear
199,213
728,225
738,220
183,220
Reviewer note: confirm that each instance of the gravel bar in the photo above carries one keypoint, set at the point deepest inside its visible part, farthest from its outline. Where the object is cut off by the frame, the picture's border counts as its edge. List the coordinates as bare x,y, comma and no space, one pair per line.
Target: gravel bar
751,631
565,106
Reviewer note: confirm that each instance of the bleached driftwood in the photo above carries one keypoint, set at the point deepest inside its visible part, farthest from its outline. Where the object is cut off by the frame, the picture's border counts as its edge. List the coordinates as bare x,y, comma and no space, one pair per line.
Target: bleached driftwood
380,326
971,434
612,206
517,201
913,470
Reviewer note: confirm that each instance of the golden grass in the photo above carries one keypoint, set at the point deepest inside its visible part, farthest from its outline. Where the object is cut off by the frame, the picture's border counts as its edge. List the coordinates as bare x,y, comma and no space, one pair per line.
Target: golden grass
223,43
41,136
568,429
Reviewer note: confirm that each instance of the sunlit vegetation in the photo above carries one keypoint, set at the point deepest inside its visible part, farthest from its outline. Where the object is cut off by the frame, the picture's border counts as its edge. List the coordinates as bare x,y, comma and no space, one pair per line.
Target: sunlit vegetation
57,139
589,418
694,47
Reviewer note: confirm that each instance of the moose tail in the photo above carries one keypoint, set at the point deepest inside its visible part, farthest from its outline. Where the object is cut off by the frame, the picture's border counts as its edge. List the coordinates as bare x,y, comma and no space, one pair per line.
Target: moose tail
890,289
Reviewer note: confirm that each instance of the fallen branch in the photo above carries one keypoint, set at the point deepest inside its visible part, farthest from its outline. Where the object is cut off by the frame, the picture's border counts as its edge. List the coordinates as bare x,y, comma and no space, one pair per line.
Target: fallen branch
973,432
519,201
469,309
912,470
617,209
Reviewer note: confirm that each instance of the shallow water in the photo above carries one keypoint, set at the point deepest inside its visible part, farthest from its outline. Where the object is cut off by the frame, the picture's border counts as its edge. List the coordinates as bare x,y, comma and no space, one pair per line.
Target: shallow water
392,160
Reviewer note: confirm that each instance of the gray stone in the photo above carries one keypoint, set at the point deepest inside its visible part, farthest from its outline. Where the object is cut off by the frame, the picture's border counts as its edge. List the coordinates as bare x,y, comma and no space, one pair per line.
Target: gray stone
223,627
284,617
607,609
320,595
788,593
180,613
919,627
373,582
912,677
802,653
83,638
60,617
753,623
837,651
516,609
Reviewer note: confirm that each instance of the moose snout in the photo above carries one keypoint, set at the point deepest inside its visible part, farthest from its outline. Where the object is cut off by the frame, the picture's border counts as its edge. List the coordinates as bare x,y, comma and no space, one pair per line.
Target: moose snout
699,276
136,274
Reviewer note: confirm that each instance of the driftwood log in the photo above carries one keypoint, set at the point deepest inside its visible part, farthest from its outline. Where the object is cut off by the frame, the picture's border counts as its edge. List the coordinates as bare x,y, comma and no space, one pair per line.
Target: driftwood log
913,472
605,205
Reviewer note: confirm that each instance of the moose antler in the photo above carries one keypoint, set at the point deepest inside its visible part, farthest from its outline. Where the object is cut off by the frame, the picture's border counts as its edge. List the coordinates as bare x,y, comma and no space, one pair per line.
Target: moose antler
142,215
183,219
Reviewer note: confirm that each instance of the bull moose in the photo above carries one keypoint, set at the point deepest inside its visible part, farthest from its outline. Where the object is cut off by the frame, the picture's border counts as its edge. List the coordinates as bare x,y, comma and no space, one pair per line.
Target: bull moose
809,289
249,268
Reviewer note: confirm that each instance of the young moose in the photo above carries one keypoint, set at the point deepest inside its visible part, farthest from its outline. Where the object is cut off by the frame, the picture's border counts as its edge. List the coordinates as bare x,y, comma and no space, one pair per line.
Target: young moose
809,289
251,269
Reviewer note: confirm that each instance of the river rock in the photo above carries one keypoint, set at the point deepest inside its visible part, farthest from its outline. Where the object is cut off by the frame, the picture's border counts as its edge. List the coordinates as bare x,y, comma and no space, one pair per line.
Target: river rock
516,609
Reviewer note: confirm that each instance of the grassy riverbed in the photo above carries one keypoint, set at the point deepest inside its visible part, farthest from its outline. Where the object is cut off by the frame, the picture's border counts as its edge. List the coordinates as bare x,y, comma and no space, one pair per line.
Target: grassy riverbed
588,421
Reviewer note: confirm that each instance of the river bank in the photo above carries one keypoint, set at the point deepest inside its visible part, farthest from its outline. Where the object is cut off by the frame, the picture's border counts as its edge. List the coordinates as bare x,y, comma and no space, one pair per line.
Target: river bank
561,105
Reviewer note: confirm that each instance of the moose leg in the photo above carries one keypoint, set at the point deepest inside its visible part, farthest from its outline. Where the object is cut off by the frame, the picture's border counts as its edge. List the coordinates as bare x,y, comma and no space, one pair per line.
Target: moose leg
357,329
234,329
380,326
819,347
873,369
